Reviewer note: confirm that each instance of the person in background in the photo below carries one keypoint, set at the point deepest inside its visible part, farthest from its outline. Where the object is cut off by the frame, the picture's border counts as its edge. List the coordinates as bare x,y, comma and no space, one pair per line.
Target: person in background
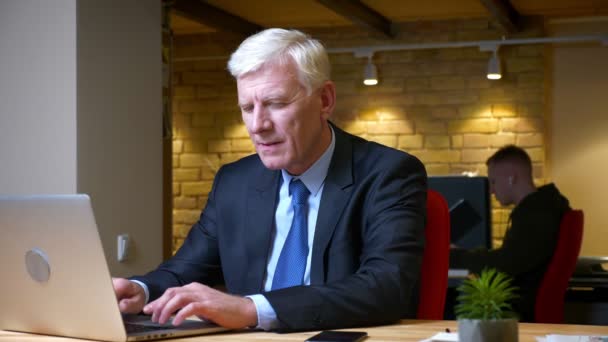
532,234
319,229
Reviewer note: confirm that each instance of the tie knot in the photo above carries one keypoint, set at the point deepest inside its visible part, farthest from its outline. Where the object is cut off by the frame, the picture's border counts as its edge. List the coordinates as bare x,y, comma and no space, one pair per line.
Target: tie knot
298,191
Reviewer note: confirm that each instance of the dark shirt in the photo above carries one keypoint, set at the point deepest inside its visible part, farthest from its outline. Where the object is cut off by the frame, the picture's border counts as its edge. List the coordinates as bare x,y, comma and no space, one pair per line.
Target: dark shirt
527,247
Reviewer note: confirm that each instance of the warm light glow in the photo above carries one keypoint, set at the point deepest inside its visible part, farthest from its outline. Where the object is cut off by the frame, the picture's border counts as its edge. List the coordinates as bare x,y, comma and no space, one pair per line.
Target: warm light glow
494,76
370,82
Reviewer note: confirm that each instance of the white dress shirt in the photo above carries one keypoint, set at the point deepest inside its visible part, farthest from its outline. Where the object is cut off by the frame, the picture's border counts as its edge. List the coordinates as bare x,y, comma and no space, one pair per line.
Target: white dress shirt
314,179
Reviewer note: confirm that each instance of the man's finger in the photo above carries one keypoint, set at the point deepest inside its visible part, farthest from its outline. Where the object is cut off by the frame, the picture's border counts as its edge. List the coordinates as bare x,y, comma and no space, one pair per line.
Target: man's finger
178,301
120,287
123,305
128,305
156,306
191,309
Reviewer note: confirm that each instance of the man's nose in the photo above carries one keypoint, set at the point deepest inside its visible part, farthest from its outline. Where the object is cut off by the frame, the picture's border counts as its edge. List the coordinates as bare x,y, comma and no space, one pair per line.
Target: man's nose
260,120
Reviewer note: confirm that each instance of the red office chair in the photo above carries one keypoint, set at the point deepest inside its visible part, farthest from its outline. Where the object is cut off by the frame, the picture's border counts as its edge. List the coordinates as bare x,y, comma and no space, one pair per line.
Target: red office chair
549,306
435,261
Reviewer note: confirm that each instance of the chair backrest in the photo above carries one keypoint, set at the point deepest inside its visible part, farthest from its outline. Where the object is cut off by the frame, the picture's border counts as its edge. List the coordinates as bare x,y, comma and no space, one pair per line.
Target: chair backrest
549,305
435,261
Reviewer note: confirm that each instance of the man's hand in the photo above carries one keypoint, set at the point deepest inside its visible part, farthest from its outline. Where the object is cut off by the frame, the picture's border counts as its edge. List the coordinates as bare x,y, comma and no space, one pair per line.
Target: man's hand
196,299
131,297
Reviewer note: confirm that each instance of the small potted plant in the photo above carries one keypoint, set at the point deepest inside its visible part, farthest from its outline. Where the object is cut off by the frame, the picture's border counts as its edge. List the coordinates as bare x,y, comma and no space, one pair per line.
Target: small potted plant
484,310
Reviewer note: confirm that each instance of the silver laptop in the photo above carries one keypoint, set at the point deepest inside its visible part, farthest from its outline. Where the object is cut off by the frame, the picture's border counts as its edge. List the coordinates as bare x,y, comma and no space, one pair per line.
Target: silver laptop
55,279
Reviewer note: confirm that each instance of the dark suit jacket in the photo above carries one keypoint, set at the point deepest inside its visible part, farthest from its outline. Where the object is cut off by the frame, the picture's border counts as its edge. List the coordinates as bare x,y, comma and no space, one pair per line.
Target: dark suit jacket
367,248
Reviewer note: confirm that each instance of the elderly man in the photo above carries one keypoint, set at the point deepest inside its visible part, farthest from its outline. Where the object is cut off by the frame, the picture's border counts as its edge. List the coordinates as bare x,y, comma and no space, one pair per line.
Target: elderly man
319,229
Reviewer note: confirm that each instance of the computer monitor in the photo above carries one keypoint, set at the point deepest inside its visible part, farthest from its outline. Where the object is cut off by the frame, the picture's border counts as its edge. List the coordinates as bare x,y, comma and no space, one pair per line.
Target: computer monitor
470,209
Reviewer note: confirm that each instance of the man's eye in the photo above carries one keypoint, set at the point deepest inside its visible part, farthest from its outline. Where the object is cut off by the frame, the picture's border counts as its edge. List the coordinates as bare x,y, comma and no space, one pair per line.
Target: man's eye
277,104
247,109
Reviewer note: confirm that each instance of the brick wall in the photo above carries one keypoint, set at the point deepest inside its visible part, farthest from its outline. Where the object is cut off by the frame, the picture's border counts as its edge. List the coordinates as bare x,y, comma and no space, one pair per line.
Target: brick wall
436,104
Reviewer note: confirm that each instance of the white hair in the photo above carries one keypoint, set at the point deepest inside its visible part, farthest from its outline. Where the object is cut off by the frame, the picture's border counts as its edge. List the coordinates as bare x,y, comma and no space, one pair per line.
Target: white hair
282,47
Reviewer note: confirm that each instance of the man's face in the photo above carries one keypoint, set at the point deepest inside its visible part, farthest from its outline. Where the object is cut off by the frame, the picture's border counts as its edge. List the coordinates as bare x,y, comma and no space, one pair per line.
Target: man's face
288,128
500,176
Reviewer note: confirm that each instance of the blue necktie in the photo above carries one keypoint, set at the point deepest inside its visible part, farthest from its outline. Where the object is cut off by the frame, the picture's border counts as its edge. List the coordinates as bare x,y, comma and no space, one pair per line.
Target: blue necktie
292,261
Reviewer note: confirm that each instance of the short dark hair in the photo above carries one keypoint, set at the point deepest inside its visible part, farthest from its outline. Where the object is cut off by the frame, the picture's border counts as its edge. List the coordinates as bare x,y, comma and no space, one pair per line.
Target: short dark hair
511,153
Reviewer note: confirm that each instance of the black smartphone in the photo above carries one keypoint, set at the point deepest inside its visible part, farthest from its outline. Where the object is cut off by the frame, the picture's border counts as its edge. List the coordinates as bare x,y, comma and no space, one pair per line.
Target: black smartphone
338,336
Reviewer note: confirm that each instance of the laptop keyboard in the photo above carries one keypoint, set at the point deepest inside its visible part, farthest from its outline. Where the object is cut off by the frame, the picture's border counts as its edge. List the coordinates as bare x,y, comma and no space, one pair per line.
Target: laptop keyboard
138,328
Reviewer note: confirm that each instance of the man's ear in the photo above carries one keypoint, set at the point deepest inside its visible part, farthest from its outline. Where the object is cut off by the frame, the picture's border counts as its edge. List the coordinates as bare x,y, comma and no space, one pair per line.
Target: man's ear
328,99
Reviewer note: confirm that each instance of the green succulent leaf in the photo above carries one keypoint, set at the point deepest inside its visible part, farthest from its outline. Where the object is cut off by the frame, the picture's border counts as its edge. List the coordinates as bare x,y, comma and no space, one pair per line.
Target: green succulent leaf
487,296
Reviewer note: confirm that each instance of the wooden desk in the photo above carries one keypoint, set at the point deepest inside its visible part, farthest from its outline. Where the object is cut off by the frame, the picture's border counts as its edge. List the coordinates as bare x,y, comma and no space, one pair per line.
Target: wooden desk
406,331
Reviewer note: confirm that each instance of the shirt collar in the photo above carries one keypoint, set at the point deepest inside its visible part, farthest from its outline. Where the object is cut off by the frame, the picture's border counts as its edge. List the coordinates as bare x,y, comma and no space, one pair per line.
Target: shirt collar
314,177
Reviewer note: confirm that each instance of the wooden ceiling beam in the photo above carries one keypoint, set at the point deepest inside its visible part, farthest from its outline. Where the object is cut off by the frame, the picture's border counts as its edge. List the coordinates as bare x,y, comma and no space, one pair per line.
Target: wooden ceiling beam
214,17
360,14
504,14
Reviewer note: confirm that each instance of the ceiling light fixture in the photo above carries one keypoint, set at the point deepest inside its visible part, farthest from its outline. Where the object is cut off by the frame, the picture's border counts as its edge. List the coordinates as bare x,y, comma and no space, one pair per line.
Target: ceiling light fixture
370,73
370,76
484,45
494,70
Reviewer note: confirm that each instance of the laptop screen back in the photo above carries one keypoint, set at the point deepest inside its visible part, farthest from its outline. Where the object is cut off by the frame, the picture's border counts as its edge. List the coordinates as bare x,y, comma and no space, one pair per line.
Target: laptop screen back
55,276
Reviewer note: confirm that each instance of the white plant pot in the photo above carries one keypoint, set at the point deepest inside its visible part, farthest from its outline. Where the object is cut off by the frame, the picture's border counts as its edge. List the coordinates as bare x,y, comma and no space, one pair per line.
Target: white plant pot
494,330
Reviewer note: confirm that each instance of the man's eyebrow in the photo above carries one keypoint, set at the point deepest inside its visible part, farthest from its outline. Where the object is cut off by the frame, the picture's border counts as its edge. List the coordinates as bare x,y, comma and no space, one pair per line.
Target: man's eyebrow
267,98
275,96
242,101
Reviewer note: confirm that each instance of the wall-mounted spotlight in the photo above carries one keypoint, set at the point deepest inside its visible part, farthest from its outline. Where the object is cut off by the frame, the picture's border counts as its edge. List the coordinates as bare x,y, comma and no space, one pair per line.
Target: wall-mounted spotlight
494,69
370,73
370,76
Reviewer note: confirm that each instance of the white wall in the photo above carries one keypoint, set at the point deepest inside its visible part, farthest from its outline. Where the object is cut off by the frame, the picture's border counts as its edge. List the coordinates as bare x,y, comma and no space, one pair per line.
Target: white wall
120,125
80,111
37,96
579,146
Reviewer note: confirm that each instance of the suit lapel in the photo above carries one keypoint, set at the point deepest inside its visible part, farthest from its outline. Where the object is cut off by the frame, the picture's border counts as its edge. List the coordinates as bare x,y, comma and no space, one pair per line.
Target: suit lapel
261,205
336,193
